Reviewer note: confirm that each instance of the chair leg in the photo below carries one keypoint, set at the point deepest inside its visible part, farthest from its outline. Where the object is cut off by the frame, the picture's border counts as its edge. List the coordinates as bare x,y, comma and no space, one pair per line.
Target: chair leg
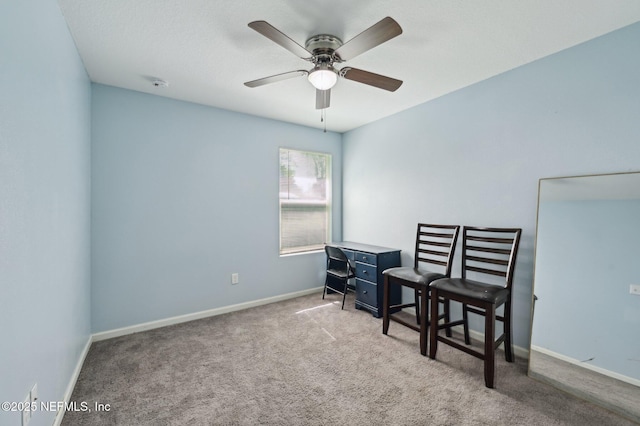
447,316
324,291
489,345
508,344
385,305
424,323
465,317
416,294
344,292
433,338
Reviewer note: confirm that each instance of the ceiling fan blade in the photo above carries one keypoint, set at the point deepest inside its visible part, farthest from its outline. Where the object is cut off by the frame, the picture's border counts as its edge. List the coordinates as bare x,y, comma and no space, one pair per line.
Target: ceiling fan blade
272,33
366,77
323,98
274,78
373,36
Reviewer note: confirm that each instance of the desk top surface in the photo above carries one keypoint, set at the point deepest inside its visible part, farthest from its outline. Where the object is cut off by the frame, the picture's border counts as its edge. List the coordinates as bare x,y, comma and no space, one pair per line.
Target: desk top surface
350,245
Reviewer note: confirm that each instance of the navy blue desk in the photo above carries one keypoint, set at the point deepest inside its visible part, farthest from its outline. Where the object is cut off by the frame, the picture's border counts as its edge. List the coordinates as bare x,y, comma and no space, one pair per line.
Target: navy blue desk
370,261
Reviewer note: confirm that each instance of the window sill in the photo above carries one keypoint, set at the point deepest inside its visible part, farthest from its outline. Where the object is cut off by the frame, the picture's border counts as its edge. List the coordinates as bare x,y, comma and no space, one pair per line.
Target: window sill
300,253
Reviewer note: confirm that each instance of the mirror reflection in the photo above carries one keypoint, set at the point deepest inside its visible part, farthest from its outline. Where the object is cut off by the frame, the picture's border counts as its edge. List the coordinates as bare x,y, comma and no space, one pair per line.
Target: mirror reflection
586,319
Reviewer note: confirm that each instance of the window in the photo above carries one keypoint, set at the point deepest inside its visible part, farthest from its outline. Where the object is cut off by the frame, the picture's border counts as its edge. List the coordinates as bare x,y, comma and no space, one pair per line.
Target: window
305,200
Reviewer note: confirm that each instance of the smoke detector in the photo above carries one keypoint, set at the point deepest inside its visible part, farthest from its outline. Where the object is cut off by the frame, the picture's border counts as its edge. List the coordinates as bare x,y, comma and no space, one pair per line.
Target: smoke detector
159,83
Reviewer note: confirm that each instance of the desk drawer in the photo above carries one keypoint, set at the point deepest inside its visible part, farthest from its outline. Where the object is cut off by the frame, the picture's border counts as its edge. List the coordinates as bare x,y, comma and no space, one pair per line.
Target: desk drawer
366,272
366,292
349,253
366,258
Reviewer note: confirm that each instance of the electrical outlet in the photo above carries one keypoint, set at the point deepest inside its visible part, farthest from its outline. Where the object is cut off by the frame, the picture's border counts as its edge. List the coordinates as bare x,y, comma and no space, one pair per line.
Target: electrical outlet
235,279
634,289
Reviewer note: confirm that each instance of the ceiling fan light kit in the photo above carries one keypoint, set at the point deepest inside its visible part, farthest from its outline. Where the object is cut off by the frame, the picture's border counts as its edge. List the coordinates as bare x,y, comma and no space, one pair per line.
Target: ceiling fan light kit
325,50
323,77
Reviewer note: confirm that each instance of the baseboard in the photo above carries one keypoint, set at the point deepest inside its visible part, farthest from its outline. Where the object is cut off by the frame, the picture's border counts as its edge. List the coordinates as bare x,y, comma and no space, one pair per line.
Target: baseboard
518,351
72,382
587,366
109,334
615,392
163,323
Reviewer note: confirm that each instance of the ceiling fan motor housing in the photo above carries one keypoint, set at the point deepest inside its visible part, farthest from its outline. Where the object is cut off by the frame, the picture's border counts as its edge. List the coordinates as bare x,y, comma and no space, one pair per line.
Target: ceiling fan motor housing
323,47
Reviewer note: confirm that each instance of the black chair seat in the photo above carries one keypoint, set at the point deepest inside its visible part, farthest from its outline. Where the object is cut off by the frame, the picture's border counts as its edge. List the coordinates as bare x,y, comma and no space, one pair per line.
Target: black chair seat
413,275
340,274
473,289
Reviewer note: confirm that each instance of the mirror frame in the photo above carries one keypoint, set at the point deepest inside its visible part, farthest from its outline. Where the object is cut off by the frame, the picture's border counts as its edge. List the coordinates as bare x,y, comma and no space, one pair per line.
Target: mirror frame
623,409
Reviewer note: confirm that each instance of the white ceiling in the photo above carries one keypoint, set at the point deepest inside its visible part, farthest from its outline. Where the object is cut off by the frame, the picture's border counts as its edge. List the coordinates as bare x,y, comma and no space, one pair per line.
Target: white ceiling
206,51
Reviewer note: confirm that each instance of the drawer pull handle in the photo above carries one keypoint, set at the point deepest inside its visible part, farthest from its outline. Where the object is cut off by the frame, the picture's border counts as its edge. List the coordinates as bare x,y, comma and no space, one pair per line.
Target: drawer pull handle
365,272
364,292
364,257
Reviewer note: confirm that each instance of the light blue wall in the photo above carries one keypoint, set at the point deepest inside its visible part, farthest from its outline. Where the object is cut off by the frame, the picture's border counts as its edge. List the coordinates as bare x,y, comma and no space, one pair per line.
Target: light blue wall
474,157
587,256
183,196
45,96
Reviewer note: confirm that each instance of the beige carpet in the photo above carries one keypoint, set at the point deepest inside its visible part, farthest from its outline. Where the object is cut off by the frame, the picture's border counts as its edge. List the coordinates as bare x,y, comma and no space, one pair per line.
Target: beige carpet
306,362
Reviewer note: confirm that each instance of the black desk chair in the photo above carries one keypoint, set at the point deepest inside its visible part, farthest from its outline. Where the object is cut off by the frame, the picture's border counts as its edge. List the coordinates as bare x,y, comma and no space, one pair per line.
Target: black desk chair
339,270
435,245
486,252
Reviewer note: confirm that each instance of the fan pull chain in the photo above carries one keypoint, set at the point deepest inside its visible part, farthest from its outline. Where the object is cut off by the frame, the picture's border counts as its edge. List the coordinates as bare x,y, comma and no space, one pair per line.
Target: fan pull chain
323,118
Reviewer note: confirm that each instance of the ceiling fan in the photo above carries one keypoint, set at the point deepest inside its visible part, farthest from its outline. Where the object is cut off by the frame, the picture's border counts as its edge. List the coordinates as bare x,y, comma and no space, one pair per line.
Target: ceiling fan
324,51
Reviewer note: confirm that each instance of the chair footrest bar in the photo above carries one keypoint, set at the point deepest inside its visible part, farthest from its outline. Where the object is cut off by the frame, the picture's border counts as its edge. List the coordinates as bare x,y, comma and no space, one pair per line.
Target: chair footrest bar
499,341
405,323
450,324
406,305
463,348
476,311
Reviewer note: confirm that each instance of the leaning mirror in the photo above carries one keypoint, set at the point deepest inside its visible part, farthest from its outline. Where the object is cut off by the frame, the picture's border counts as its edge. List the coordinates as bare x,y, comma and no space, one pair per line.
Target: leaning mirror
586,311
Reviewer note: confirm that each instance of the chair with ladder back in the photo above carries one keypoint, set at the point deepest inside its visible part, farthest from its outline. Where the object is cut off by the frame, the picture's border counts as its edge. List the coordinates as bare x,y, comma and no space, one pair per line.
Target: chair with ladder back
433,258
487,253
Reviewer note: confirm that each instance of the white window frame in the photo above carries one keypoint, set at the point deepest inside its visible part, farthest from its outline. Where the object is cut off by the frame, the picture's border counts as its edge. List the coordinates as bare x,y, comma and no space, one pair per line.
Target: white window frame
285,199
